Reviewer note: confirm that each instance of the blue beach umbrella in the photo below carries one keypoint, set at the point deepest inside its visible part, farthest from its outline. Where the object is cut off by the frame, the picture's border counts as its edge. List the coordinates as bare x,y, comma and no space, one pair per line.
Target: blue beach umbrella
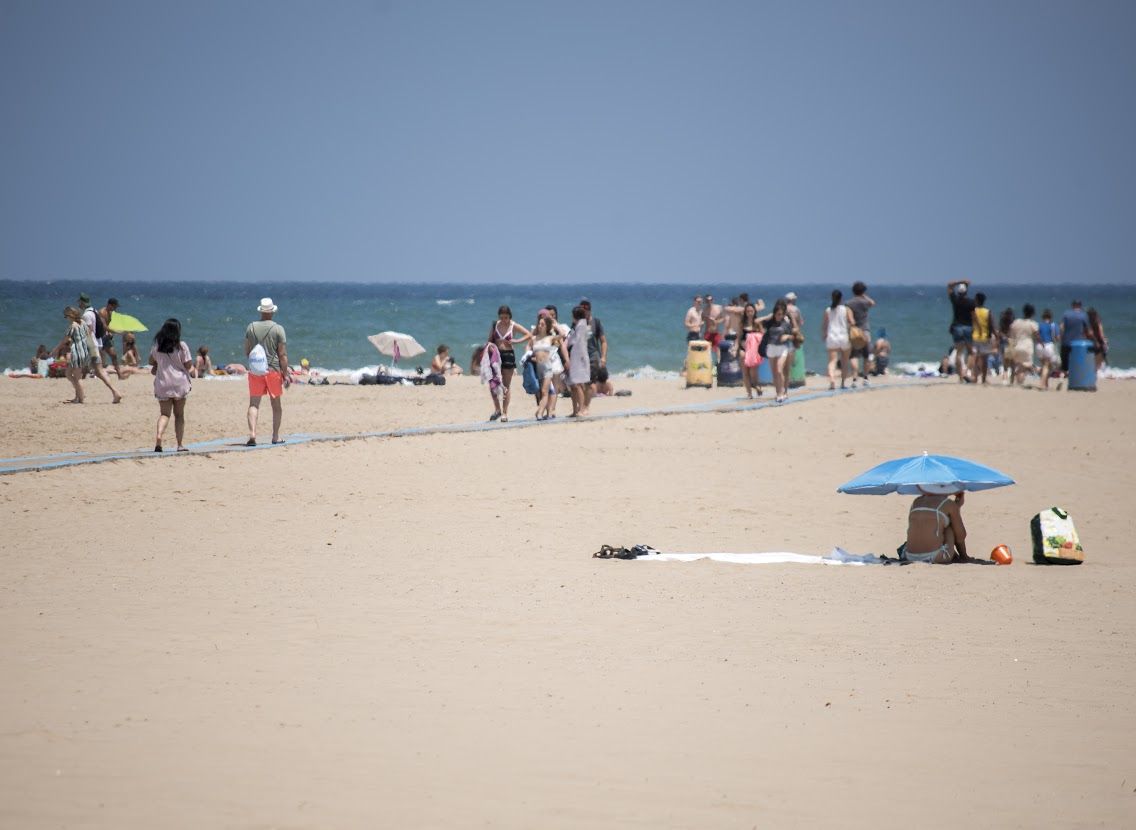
932,473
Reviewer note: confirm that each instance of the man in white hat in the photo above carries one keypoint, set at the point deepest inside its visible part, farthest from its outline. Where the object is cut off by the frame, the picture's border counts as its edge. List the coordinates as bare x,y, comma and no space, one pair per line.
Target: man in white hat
269,376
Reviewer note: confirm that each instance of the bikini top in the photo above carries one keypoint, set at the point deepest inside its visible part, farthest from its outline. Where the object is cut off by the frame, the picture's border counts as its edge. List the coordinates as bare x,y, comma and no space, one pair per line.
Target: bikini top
507,337
938,511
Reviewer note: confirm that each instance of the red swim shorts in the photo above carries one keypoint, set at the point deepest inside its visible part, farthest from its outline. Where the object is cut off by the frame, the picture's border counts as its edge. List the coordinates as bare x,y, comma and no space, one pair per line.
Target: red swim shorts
271,384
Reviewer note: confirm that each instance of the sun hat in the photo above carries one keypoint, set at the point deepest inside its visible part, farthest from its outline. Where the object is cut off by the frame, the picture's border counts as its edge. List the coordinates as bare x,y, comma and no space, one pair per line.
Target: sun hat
791,296
266,306
84,299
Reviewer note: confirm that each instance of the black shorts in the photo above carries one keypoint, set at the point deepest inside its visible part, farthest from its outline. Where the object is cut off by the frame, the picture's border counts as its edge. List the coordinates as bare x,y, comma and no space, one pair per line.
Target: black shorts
108,341
860,352
508,359
599,373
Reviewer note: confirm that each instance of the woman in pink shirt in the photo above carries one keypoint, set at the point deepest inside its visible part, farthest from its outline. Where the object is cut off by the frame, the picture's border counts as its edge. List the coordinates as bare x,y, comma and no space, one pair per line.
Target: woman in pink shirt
170,364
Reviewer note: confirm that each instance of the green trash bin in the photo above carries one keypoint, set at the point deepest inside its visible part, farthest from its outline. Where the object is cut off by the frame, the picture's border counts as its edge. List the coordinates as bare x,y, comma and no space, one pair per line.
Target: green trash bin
797,370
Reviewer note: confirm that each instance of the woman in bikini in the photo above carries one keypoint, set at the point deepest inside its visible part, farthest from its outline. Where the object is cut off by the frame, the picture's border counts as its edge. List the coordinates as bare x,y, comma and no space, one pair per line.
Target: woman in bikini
503,334
935,532
745,348
548,358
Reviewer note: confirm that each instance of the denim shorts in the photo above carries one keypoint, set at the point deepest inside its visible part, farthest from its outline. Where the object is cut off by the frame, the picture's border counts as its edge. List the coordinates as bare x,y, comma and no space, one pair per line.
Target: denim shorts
961,334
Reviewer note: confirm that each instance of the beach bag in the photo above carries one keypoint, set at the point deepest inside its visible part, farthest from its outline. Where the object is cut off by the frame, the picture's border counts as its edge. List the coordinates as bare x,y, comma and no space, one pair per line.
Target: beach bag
258,360
752,350
529,379
857,338
1055,540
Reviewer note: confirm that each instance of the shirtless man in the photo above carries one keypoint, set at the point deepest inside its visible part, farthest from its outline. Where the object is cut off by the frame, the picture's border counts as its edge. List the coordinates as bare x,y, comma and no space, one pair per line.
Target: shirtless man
734,313
935,532
693,320
712,319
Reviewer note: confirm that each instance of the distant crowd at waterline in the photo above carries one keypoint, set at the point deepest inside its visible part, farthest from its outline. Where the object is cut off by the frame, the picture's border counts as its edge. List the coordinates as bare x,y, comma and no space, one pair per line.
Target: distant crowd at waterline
570,360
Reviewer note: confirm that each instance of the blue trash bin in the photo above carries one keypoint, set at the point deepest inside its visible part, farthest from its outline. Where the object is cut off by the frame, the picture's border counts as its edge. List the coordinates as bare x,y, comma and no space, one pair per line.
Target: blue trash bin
729,367
1082,366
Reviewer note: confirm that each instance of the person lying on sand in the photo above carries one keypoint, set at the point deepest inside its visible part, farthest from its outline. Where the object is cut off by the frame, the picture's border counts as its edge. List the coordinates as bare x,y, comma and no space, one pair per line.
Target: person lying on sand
935,531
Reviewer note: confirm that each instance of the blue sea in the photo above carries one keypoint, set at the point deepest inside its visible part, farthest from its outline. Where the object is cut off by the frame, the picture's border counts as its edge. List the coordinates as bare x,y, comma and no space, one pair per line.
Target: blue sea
328,322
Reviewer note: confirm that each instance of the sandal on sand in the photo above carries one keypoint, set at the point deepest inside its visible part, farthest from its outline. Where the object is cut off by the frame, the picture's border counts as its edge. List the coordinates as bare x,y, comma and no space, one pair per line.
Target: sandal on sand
250,442
278,441
494,416
157,448
183,449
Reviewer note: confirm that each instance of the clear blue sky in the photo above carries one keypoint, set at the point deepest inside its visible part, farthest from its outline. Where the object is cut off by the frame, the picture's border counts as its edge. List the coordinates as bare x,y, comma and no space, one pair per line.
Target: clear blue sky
568,141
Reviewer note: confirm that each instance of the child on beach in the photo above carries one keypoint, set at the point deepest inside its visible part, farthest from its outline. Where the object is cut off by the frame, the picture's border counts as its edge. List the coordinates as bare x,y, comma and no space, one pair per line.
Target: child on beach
170,364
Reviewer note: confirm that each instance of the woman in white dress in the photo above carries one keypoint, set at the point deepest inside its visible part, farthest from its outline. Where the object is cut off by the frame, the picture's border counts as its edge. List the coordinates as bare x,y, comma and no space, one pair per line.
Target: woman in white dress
579,367
837,323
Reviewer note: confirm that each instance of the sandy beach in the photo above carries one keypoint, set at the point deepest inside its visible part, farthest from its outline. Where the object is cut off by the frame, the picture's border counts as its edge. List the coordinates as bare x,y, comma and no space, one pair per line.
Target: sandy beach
411,632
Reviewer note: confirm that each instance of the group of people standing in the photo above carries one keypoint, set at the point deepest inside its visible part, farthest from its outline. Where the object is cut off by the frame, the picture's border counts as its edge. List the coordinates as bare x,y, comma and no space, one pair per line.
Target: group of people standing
778,335
564,357
1013,342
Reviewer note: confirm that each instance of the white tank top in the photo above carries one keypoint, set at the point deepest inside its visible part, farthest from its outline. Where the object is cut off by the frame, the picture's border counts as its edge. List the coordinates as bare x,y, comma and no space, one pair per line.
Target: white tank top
838,322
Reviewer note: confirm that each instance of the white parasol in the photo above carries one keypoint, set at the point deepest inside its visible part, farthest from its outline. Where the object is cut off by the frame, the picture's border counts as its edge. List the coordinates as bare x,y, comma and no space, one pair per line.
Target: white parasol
396,344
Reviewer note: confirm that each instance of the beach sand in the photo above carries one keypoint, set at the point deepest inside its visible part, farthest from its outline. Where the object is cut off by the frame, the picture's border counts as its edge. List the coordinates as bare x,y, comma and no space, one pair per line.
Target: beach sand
411,632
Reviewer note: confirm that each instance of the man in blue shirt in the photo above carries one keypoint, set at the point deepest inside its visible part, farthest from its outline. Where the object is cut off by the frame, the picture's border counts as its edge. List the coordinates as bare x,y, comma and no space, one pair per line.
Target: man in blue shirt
1074,326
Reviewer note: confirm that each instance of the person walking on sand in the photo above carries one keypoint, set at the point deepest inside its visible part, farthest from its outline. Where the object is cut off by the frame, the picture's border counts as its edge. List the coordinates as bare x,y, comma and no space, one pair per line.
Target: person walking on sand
779,330
579,367
547,358
982,337
860,305
170,364
92,324
1096,334
746,349
78,345
106,345
834,329
1047,346
962,326
270,376
597,346
1074,326
503,334
1024,333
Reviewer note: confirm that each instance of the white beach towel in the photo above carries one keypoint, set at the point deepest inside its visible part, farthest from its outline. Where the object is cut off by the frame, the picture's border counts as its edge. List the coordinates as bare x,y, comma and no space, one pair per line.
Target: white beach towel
837,556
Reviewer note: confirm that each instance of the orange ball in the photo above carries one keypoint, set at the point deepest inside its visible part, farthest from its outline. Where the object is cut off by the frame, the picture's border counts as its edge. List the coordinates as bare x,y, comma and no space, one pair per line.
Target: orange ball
1002,555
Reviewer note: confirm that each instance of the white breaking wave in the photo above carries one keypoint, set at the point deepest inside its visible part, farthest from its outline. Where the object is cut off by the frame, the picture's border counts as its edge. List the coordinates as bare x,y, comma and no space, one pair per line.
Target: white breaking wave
465,301
648,372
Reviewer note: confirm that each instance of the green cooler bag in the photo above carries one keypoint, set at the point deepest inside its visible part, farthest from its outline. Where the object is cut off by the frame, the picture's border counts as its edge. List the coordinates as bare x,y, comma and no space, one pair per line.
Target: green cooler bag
1055,540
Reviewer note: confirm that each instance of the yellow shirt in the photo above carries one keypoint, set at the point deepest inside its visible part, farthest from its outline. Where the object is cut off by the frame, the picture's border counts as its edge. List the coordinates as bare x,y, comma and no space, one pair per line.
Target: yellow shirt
981,324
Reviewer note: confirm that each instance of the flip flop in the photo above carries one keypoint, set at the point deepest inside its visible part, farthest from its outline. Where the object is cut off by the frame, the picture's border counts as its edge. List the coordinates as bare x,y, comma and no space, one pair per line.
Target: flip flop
250,442
494,416
281,441
183,449
157,448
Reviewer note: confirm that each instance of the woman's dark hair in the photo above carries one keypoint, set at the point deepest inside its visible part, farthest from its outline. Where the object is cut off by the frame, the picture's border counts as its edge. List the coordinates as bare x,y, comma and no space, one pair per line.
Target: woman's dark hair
837,296
547,320
578,313
1027,310
781,305
745,316
168,337
1006,320
203,350
504,310
1094,322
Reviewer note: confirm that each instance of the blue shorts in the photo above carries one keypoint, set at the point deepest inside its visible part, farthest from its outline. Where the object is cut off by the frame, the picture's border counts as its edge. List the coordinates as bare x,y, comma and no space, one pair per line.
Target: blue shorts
961,334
